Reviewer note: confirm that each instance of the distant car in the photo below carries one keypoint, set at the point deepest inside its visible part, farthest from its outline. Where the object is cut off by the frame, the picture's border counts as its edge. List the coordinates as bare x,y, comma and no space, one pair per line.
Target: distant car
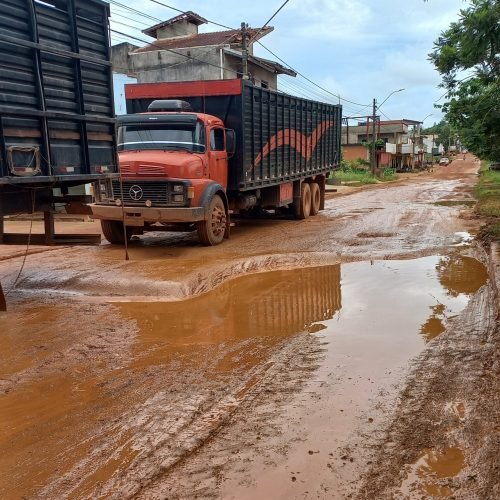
444,161
495,165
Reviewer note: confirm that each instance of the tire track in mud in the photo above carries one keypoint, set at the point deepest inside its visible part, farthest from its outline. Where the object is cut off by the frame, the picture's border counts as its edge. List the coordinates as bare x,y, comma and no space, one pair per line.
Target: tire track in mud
161,440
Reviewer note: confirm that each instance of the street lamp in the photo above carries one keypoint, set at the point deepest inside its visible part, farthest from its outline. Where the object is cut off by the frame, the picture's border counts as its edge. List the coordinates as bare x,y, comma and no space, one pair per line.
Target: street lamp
422,121
373,159
393,92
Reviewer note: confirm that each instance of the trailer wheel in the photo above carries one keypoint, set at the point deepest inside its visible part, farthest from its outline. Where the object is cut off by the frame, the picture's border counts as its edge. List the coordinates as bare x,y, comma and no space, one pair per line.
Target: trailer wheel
113,231
211,232
304,209
315,198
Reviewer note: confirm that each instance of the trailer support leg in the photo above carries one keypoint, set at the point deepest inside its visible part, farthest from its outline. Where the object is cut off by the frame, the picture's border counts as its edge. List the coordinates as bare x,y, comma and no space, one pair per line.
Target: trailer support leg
2,229
3,301
48,220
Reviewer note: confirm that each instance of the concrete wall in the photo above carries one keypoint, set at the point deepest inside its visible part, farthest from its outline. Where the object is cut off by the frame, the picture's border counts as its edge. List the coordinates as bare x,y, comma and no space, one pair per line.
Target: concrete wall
395,133
234,64
120,58
261,74
180,28
164,66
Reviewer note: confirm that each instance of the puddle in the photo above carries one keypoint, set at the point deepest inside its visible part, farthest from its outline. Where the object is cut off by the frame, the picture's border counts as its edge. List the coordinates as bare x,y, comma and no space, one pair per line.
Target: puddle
367,319
455,203
429,473
267,305
390,309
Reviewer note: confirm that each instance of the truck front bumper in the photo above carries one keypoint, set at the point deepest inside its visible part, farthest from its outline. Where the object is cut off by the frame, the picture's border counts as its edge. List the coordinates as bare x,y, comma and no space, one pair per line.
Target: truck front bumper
137,216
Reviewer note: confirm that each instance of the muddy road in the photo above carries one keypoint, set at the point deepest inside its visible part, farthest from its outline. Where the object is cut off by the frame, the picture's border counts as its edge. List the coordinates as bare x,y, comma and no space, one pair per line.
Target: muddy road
350,355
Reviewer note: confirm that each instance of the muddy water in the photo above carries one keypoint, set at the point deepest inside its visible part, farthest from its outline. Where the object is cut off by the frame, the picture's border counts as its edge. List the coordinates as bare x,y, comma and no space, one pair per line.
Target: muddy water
194,364
384,322
429,473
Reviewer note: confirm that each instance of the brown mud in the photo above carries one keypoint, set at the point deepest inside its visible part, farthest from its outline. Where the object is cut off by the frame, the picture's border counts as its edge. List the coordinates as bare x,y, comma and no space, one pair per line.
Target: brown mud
353,354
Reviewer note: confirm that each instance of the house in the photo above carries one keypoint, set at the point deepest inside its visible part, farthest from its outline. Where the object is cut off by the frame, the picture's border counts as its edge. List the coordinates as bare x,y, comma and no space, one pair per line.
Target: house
430,146
180,52
400,147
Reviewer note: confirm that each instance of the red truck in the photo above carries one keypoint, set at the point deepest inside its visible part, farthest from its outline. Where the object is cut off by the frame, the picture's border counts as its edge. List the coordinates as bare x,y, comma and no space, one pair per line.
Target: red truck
192,153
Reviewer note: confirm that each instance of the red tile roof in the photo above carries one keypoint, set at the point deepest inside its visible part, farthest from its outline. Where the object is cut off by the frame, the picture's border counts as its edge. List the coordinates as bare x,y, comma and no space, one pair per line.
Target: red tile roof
203,39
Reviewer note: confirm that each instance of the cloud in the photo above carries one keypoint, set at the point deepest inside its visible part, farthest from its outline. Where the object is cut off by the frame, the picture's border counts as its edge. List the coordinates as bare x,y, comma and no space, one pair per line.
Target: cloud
331,19
360,49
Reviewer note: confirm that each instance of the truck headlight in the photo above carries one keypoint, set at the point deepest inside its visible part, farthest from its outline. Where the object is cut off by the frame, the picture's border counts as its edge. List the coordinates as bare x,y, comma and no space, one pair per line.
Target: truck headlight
178,188
179,198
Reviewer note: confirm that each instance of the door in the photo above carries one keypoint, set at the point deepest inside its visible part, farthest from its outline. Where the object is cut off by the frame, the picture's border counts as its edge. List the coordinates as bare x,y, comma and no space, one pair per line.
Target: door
218,156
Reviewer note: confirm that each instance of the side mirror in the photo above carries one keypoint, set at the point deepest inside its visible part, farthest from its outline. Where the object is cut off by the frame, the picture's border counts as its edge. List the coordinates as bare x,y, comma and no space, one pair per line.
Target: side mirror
230,142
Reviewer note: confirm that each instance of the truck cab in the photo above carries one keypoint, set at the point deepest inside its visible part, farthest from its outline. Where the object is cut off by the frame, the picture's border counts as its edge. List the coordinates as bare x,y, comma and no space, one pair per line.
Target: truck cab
174,173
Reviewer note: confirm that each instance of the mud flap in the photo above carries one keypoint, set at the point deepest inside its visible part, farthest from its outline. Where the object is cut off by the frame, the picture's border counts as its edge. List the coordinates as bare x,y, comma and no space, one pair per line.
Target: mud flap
3,301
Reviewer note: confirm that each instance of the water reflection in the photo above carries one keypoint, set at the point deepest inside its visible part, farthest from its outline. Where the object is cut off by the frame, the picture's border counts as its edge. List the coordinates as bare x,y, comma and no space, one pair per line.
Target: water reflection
273,304
460,274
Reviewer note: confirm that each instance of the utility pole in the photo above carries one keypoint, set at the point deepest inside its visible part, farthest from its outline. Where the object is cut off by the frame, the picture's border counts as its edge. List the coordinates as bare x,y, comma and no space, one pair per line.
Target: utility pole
244,50
373,159
413,150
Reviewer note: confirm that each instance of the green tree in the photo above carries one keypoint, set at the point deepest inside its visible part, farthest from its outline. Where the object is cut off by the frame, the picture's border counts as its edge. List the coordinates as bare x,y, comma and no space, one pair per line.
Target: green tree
467,55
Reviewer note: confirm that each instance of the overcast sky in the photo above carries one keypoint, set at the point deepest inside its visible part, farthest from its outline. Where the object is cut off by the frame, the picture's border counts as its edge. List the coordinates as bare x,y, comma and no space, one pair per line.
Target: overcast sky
358,49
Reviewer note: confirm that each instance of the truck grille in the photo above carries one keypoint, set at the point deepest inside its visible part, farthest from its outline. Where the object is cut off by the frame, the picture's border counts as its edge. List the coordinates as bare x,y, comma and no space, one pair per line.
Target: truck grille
158,192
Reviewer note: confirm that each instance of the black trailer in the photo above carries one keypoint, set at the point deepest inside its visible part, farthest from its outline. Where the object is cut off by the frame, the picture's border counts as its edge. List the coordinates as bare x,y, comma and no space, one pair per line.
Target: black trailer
279,137
57,123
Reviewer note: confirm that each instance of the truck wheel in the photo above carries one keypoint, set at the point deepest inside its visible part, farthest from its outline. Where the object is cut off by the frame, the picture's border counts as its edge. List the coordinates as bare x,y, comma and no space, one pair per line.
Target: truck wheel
315,198
113,231
211,232
304,208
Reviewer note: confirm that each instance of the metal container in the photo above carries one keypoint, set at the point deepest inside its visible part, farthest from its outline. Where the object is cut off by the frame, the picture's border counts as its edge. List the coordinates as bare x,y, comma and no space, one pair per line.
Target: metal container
57,120
279,137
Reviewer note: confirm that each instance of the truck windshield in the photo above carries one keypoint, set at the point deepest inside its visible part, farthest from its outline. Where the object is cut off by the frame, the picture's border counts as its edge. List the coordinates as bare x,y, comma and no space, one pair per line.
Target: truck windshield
161,136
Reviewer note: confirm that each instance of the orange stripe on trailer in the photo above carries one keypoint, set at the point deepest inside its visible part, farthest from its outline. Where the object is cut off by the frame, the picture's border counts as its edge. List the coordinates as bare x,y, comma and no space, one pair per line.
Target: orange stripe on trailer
303,144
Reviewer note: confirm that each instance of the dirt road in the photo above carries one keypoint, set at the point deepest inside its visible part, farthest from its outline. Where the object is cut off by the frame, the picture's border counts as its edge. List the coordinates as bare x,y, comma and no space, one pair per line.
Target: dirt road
350,355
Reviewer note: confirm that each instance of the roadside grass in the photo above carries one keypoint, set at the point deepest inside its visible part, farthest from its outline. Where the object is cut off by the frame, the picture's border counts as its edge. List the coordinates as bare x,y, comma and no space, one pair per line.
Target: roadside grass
355,174
487,192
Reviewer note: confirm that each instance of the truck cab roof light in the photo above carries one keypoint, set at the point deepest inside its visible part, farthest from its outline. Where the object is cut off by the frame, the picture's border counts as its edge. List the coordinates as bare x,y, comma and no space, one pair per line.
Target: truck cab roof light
169,105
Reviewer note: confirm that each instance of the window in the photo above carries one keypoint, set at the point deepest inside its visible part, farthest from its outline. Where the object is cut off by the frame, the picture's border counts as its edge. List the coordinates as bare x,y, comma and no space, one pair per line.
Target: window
164,136
217,139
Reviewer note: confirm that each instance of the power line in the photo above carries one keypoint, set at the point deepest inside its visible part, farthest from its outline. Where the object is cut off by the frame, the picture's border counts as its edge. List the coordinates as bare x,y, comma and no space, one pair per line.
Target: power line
123,16
268,21
176,52
163,4
135,11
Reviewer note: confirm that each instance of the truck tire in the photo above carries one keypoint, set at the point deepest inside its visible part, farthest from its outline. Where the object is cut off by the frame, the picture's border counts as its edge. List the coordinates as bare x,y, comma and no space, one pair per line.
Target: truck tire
304,209
113,231
315,198
211,232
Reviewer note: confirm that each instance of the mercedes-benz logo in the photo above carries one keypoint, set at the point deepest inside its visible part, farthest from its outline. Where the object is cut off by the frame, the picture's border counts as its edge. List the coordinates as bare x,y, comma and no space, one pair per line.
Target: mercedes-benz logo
135,192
